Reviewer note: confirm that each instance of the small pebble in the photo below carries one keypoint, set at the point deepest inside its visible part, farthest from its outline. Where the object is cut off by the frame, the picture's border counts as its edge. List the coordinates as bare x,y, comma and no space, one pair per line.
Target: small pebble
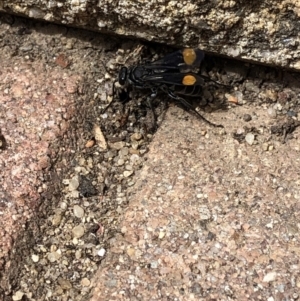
161,234
78,254
204,213
74,183
78,211
136,137
107,76
135,145
272,113
25,48
281,287
291,113
120,162
130,252
101,252
18,296
127,173
240,131
53,256
35,258
271,94
265,146
231,98
56,219
124,151
64,284
117,145
134,151
85,282
99,137
63,205
249,138
90,143
128,167
134,158
78,231
35,12
247,117
154,264
278,107
270,277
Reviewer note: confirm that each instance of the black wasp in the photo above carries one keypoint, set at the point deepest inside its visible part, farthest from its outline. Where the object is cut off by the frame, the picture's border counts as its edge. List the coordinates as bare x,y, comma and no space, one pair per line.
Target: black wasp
171,74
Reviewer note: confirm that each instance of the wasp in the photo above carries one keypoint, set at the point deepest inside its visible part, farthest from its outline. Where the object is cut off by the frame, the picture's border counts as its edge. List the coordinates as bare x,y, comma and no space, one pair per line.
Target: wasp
173,74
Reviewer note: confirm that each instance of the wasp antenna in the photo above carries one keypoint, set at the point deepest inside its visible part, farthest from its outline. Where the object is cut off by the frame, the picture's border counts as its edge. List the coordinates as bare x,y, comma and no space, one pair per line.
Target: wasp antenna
149,102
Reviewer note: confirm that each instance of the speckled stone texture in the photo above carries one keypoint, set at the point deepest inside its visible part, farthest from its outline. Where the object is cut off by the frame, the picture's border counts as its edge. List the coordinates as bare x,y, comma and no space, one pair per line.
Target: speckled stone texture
36,104
208,219
263,31
203,212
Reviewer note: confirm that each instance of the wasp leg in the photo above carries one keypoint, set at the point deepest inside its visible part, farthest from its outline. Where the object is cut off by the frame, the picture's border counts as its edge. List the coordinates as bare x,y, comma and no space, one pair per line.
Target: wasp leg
113,97
215,82
189,106
150,98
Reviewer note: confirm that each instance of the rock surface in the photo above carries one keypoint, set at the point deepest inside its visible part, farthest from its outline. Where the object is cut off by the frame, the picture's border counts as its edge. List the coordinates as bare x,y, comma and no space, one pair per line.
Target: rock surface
209,219
262,31
202,212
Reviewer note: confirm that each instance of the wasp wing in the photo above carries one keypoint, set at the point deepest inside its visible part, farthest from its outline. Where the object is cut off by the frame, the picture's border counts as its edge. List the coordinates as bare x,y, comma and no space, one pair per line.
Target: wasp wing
169,78
188,84
181,60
